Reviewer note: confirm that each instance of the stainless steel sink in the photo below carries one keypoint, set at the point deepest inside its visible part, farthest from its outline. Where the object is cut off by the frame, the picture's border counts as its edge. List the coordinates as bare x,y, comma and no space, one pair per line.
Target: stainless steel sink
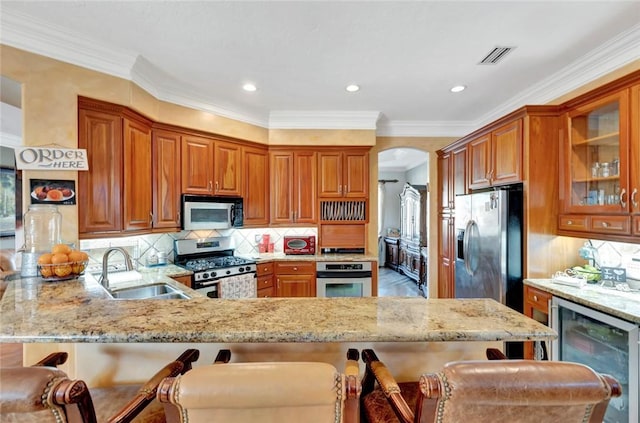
156,291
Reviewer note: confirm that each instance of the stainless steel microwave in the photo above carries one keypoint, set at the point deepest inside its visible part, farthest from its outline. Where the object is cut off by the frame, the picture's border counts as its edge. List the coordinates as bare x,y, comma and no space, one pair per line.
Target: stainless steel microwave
205,212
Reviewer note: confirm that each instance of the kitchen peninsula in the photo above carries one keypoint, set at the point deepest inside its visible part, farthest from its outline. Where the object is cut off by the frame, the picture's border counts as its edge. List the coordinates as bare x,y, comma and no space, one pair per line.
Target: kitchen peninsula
81,311
106,338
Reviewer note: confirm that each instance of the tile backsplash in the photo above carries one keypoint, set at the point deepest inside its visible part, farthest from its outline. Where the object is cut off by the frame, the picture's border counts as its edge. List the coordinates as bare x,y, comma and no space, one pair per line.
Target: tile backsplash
143,247
617,254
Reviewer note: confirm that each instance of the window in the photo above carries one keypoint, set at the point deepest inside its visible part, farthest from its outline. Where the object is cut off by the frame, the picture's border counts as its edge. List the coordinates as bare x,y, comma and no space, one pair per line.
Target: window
7,202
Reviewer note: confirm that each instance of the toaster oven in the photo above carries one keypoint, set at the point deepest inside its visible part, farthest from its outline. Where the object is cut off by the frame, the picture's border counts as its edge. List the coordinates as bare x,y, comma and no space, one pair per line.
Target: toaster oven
299,244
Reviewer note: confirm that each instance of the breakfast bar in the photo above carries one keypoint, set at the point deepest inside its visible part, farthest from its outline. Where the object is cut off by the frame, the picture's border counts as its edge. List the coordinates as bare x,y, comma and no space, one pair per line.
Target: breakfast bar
109,340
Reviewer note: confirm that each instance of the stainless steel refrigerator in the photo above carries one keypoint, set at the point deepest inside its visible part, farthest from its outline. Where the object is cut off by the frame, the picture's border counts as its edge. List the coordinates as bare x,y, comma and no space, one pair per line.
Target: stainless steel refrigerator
489,249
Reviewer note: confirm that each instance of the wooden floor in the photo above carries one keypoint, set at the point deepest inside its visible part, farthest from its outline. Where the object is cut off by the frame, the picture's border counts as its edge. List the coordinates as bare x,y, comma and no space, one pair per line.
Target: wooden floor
394,284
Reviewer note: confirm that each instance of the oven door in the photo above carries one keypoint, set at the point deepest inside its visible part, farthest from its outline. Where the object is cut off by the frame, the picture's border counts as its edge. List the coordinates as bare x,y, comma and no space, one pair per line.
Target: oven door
210,289
206,215
343,287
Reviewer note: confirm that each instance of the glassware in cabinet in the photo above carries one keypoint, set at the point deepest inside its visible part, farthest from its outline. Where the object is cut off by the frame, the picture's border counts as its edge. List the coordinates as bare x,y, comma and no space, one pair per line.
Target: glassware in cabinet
597,168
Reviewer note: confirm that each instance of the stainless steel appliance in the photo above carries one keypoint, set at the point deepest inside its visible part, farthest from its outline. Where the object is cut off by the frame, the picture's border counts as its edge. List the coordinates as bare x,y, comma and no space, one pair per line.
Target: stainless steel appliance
343,279
604,343
217,273
204,212
489,249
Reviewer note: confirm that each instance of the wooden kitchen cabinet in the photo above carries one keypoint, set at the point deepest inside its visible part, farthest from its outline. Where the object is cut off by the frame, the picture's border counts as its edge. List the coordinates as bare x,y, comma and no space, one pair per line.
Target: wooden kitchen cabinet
137,198
227,169
166,148
185,280
452,176
256,186
446,257
495,158
295,278
115,195
211,166
265,282
293,186
536,306
600,172
391,252
343,173
197,165
100,189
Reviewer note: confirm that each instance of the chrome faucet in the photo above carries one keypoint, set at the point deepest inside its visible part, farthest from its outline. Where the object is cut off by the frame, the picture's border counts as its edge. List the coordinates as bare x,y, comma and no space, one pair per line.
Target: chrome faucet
104,280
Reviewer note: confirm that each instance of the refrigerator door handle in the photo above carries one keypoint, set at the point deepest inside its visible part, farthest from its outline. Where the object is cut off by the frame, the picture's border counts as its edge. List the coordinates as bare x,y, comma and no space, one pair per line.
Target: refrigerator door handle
465,246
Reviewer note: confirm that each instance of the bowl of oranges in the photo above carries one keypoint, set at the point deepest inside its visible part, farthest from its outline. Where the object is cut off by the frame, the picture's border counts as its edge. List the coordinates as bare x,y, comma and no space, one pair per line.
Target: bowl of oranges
62,263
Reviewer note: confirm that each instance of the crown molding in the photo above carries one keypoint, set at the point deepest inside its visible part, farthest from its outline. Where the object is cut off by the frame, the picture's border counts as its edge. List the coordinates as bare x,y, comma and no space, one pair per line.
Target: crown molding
406,128
26,33
10,140
613,54
291,119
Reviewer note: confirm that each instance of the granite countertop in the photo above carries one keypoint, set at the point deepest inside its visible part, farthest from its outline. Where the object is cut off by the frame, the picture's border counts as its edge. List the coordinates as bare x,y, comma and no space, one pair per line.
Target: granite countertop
625,305
79,310
264,257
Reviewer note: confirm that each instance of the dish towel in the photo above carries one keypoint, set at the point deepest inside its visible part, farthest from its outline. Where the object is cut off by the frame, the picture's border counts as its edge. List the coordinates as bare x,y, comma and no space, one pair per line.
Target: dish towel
239,286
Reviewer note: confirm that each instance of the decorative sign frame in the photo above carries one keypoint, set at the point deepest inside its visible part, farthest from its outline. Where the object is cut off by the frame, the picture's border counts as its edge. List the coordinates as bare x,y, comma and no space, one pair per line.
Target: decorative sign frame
49,191
51,158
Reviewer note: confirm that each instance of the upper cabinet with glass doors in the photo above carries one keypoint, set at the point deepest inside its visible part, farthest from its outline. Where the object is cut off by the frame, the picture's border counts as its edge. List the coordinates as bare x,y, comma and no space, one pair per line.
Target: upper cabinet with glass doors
596,160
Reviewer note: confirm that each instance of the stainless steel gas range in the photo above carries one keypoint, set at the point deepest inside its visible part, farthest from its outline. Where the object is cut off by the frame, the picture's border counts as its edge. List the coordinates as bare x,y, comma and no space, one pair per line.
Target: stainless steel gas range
217,273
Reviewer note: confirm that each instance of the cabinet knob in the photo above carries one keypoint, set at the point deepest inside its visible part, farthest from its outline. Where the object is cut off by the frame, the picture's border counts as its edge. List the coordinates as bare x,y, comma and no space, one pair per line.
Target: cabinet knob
535,298
569,222
295,268
605,224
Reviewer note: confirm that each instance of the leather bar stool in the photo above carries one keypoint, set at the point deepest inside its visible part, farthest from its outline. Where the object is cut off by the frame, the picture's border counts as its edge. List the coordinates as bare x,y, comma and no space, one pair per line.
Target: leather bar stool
265,392
43,393
496,391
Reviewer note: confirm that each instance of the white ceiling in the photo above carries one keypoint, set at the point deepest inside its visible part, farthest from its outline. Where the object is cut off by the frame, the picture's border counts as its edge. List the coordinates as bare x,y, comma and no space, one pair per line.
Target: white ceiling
302,54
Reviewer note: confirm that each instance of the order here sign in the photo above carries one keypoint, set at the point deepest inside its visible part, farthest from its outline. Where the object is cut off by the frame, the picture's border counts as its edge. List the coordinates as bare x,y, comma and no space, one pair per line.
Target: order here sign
51,158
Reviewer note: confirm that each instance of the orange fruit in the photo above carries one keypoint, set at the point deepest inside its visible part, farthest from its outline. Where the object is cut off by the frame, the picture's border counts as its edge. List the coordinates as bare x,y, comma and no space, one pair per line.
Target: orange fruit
76,255
62,270
60,258
61,249
45,258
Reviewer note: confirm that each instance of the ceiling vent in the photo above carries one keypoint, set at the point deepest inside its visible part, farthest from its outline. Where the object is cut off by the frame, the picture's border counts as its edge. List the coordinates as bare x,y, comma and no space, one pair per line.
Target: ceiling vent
496,55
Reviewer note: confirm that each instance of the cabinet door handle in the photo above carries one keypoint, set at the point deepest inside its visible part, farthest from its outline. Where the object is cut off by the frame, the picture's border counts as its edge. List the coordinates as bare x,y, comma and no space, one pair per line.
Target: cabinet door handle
623,203
569,222
535,298
633,198
605,224
151,218
217,185
339,189
210,186
178,218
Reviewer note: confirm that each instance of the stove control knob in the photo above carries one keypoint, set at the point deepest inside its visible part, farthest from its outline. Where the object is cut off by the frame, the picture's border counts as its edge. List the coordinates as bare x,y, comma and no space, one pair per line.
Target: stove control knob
241,269
205,275
214,274
228,272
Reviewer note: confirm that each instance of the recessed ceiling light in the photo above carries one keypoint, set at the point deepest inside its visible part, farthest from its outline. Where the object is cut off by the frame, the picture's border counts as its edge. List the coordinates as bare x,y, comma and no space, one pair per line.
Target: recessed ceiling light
249,87
352,88
458,88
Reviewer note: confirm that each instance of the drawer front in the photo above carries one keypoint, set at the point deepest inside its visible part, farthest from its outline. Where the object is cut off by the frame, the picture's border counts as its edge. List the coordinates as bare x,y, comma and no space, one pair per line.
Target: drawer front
264,268
295,267
537,298
265,282
267,292
611,224
574,223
